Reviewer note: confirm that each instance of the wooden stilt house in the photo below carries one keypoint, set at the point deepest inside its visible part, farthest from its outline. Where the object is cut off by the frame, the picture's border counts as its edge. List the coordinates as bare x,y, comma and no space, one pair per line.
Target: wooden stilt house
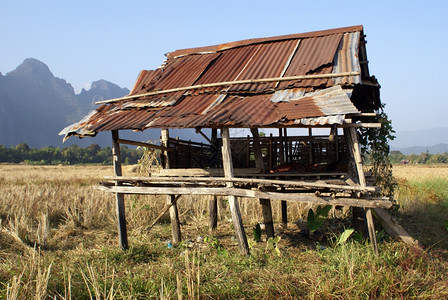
317,80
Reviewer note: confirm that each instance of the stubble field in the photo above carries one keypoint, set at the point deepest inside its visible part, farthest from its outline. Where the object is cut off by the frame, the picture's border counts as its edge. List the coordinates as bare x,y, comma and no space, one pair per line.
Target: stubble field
58,240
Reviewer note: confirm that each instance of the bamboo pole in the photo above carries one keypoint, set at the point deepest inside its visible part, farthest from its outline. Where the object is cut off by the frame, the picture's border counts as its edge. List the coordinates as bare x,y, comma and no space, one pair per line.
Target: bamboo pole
216,84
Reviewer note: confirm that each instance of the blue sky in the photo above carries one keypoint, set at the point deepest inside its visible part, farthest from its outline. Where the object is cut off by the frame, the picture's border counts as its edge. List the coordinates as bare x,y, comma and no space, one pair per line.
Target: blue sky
83,41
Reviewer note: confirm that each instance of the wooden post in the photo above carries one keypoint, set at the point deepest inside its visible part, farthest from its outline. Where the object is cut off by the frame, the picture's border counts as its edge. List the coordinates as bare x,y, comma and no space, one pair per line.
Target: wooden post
284,214
174,217
258,154
354,145
265,203
267,217
233,203
213,203
281,148
271,156
248,151
171,199
284,205
334,128
121,215
164,142
213,213
310,140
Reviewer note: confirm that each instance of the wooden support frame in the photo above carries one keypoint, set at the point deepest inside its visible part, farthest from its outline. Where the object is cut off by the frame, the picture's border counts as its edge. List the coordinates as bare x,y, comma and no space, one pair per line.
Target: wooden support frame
233,202
121,215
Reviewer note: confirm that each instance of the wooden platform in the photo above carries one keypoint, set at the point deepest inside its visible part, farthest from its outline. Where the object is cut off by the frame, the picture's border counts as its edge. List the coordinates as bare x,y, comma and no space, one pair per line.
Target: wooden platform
317,192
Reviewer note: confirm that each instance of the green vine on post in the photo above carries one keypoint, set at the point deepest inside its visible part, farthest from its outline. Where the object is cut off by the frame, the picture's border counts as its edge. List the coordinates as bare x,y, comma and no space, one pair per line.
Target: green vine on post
375,150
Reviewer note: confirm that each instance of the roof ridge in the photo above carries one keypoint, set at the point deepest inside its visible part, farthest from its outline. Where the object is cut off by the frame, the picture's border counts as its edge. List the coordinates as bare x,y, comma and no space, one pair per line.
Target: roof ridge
225,46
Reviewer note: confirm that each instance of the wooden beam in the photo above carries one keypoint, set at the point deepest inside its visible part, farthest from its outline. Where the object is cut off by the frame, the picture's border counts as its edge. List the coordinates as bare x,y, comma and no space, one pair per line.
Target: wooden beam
391,227
207,85
363,115
238,192
198,130
121,215
361,125
233,202
253,181
164,211
147,145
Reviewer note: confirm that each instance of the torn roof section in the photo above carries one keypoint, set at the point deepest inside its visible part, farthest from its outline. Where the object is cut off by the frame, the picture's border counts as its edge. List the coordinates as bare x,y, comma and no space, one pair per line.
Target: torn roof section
268,82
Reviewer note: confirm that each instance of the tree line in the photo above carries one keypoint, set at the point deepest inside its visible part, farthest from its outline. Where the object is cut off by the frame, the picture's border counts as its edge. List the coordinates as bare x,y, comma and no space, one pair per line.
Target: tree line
94,154
397,157
72,155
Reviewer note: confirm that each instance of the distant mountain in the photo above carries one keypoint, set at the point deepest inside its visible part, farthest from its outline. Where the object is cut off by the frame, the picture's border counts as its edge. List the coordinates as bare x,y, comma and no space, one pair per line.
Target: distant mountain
439,148
434,140
421,137
35,105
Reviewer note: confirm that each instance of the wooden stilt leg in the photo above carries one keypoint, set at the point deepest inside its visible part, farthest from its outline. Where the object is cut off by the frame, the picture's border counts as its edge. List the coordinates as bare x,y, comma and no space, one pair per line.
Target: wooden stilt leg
354,145
359,221
174,217
171,200
284,215
121,216
371,228
233,203
265,203
213,213
267,217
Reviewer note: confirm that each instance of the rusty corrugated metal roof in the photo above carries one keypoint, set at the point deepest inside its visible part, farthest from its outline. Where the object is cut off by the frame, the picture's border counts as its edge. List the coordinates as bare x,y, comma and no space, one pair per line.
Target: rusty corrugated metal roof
247,104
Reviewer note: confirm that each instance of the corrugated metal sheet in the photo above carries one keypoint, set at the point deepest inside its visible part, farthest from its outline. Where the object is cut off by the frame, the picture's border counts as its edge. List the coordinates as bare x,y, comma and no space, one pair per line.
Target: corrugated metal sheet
314,56
231,45
346,58
246,105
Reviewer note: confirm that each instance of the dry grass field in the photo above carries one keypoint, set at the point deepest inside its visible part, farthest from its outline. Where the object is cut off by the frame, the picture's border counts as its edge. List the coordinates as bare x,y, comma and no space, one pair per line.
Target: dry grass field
58,240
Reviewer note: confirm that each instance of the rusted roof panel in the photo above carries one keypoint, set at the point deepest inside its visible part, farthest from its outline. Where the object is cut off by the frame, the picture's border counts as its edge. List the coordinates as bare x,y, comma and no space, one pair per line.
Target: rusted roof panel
314,56
145,78
285,103
267,62
228,66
